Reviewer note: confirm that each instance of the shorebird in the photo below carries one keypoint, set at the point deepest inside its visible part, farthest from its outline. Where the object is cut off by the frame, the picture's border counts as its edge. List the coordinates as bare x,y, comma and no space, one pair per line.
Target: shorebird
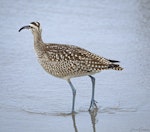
69,61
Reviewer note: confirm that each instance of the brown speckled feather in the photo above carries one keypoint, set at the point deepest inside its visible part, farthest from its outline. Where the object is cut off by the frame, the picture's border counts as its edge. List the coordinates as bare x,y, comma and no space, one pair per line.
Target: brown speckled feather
67,61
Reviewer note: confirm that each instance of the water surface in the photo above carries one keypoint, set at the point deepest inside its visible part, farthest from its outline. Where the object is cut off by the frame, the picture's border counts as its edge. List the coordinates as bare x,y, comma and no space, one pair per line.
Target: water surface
31,100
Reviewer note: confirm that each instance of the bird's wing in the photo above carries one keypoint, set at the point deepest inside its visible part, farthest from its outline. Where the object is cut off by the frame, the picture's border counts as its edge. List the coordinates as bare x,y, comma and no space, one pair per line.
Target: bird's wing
76,56
62,52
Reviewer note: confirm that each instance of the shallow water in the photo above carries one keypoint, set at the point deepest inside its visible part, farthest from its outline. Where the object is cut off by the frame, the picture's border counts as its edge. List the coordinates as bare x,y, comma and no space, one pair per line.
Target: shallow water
31,100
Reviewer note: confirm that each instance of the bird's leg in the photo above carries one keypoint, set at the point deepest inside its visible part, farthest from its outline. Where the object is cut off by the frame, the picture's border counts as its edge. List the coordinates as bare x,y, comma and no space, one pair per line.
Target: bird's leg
93,102
74,94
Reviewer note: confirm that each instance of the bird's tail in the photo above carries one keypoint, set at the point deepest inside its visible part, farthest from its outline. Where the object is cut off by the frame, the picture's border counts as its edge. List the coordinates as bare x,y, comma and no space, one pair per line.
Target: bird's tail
114,66
114,61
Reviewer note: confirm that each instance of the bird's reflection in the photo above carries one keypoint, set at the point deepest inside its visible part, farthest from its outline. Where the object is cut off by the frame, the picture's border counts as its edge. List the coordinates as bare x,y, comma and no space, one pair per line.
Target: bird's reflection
93,115
74,123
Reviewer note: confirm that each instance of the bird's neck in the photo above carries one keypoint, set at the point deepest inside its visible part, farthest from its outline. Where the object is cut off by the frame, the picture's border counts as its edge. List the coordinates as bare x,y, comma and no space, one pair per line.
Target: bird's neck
37,37
38,43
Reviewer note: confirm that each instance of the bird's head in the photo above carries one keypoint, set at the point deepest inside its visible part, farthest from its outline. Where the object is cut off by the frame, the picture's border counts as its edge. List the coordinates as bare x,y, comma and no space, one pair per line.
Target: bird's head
34,26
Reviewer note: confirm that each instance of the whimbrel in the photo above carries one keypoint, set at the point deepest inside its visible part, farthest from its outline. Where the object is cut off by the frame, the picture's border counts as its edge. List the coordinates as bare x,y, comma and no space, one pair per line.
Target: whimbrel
69,61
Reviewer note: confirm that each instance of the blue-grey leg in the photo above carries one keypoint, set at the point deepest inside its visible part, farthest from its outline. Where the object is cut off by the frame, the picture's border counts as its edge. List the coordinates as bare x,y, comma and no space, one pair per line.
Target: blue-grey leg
74,94
93,102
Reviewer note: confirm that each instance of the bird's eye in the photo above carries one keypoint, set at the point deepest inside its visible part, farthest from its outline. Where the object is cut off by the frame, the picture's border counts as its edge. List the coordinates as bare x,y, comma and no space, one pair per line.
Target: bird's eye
30,27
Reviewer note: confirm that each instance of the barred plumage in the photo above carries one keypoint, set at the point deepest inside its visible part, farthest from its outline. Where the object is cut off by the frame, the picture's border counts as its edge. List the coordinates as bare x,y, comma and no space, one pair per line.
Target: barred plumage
68,61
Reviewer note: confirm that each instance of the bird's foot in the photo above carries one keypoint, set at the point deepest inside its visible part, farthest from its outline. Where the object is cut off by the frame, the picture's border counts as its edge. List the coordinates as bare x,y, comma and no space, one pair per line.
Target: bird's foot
73,113
93,105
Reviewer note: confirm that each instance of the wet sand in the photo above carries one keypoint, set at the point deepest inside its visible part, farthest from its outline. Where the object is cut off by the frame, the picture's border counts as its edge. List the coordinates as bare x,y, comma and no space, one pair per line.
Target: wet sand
31,100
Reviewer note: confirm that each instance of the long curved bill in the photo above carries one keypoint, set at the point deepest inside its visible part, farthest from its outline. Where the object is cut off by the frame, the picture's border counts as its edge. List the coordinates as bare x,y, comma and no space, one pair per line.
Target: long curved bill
24,27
